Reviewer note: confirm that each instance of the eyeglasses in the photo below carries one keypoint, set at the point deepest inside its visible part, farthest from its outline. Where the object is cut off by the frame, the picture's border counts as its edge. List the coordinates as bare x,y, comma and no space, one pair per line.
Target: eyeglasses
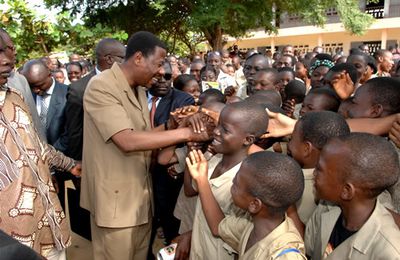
166,76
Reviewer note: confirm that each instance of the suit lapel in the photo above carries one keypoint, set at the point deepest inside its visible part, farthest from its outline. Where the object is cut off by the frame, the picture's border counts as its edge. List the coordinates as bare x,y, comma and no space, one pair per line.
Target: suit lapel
54,104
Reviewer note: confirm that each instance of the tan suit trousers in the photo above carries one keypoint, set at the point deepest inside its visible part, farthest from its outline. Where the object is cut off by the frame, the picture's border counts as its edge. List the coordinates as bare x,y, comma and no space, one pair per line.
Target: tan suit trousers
129,243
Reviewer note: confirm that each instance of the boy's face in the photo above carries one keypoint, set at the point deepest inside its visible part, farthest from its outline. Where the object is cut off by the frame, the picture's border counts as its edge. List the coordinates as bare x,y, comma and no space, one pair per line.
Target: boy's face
229,136
239,189
360,106
301,71
208,75
264,81
327,173
359,64
192,88
318,75
386,61
284,78
296,145
313,102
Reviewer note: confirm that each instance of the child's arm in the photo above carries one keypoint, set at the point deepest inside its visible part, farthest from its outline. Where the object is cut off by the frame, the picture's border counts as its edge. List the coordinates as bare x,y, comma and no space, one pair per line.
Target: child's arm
198,167
167,155
376,126
187,184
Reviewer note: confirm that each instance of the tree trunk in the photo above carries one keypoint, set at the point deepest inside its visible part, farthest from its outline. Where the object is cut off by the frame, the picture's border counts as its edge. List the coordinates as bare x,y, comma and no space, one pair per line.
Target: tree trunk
214,37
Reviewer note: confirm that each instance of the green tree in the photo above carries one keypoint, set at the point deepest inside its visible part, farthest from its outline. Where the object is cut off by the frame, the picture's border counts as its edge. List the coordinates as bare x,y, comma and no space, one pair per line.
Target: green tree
35,36
210,18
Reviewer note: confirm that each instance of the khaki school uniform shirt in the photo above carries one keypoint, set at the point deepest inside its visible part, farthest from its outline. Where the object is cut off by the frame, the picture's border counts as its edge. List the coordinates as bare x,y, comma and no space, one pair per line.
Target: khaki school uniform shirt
306,205
378,238
236,231
204,244
116,186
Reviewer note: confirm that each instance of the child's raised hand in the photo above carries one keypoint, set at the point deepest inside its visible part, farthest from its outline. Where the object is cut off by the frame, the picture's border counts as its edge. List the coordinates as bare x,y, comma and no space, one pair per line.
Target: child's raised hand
197,165
343,85
279,125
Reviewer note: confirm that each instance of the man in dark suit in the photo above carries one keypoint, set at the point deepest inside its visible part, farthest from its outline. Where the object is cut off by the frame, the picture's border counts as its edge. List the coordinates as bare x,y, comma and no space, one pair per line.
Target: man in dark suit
50,98
163,99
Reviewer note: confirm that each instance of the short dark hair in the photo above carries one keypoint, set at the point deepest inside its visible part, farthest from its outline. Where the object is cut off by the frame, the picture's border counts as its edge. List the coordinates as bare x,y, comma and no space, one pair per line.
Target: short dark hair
349,68
143,41
380,53
296,90
286,69
372,163
208,68
75,63
293,59
385,91
276,179
255,119
182,80
263,97
318,127
213,93
333,101
360,54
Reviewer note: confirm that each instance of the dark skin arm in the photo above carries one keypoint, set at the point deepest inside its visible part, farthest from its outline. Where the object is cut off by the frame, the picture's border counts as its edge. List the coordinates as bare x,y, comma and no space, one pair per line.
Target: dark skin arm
198,167
183,248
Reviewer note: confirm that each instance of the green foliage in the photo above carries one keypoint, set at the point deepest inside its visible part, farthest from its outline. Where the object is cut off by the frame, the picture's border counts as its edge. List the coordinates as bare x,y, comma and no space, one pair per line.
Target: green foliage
35,36
183,24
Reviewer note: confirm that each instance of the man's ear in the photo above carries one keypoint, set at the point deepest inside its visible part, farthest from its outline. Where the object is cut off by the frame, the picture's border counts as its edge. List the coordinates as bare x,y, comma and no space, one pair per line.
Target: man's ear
348,191
376,110
255,206
250,139
307,148
138,57
109,59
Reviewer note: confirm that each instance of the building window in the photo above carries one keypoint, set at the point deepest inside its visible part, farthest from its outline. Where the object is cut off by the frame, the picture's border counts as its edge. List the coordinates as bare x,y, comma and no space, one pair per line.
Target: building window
375,8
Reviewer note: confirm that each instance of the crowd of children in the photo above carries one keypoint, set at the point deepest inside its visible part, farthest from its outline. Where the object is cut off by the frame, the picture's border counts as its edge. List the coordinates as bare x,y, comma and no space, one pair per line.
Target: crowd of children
302,182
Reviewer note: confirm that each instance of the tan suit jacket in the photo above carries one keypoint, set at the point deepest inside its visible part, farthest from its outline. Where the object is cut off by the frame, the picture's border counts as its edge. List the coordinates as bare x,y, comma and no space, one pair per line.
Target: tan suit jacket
116,186
378,238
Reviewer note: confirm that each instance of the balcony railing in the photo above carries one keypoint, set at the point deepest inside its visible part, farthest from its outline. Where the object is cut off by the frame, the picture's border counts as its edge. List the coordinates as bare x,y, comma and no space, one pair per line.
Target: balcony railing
377,12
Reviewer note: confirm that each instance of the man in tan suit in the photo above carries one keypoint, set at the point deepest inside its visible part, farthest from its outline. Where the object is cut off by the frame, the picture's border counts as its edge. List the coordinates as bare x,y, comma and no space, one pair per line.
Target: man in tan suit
117,145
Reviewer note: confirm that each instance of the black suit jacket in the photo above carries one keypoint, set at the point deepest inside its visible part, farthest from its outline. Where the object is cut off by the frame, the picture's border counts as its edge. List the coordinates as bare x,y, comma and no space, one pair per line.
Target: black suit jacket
74,116
11,249
173,100
55,119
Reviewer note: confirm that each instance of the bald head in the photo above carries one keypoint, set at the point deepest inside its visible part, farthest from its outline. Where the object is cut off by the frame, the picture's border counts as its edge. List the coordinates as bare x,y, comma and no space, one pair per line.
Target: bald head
38,76
108,51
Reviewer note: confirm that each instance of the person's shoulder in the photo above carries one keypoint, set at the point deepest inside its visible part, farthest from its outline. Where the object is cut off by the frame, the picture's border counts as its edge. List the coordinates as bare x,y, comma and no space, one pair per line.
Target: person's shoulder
176,93
83,81
388,231
60,85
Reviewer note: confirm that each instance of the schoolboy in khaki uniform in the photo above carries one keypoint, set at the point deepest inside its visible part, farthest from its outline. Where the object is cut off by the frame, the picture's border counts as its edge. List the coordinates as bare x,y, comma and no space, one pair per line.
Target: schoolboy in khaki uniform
310,134
239,124
351,172
266,185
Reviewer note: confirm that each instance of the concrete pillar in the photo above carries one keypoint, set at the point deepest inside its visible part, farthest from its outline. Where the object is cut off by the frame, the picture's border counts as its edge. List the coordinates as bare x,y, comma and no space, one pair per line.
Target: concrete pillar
383,38
272,44
386,9
319,40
